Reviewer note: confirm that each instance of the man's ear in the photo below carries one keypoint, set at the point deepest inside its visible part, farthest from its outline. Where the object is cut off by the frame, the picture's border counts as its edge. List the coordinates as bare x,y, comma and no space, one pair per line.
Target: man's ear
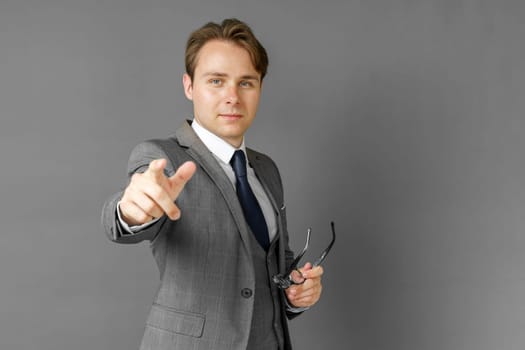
188,87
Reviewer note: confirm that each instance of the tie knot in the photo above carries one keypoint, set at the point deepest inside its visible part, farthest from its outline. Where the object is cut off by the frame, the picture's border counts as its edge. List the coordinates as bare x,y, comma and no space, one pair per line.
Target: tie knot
238,163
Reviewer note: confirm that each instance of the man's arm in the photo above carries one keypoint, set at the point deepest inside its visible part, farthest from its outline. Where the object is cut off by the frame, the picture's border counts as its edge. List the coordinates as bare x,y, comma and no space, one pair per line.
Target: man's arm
150,194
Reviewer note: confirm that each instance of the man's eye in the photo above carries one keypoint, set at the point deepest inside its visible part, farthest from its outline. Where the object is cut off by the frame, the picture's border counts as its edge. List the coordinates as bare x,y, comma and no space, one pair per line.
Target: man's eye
215,81
246,84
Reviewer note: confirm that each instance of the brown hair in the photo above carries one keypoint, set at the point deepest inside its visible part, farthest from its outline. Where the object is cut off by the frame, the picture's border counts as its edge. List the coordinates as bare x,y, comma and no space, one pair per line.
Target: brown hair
231,30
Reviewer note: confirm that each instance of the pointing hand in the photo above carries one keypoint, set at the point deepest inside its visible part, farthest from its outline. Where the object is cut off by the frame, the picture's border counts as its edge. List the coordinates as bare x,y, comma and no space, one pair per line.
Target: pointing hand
152,194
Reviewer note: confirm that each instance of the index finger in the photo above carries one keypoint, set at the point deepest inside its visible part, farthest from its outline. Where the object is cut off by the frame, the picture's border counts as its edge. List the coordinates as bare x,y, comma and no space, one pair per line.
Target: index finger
156,169
178,180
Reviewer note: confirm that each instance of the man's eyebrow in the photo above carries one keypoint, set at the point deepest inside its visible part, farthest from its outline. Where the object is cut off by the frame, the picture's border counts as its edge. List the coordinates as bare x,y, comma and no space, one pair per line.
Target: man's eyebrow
250,77
221,75
214,74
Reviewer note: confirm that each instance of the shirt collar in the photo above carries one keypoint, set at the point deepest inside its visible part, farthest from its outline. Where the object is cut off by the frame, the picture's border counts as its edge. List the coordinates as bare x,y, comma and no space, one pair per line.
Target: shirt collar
220,148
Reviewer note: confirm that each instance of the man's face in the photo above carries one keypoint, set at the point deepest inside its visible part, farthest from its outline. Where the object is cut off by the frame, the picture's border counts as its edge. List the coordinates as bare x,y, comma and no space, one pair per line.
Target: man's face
225,90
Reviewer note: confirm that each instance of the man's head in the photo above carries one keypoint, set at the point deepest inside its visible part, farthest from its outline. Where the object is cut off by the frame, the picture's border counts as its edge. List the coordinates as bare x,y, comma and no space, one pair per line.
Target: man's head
225,67
230,30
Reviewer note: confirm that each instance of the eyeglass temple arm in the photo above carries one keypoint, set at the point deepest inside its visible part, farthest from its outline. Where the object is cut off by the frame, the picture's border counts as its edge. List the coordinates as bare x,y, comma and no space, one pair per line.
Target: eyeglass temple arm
295,262
327,250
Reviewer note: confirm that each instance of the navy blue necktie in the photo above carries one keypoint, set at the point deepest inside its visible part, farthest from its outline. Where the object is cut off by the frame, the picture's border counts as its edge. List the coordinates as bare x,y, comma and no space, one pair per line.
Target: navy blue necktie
251,208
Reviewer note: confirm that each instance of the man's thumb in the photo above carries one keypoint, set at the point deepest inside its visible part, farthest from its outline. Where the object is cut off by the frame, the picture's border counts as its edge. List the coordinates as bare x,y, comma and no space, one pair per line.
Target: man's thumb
181,177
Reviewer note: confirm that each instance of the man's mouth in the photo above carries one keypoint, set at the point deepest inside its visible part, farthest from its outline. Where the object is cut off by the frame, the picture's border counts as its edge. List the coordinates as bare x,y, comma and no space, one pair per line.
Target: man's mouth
230,116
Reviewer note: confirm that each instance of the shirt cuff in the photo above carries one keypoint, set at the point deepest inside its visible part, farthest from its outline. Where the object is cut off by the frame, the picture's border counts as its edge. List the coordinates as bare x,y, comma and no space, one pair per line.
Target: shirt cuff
133,229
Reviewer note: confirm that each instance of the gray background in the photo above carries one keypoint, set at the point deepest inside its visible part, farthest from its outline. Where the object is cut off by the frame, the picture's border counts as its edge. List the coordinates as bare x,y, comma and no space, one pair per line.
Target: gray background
400,120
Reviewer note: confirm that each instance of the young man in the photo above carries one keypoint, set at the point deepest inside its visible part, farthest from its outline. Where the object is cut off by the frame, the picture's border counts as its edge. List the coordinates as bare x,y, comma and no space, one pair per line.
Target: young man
217,239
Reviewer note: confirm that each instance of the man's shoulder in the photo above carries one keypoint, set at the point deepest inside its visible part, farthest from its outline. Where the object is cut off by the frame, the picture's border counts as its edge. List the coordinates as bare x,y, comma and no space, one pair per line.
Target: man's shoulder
162,142
181,138
163,147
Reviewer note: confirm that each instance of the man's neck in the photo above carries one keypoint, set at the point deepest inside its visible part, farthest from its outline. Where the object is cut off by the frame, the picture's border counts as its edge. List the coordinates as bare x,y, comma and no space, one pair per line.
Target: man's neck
217,145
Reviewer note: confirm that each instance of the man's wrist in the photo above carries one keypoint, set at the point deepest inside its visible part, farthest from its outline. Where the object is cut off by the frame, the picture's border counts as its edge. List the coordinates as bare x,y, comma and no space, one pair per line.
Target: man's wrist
135,228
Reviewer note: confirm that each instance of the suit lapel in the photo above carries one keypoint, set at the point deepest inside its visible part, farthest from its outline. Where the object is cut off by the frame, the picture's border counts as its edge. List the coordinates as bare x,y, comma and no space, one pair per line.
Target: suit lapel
261,170
272,185
187,138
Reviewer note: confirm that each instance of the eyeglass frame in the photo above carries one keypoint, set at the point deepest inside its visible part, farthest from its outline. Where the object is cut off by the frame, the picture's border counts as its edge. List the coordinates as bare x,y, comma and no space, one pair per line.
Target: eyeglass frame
285,280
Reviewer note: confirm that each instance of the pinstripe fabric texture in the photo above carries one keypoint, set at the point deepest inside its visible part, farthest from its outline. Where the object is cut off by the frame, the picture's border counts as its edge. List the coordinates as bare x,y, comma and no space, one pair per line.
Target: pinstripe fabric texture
205,259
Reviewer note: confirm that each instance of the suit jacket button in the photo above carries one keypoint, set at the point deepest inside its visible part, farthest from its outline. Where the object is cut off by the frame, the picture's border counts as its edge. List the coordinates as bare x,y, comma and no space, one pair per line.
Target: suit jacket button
246,293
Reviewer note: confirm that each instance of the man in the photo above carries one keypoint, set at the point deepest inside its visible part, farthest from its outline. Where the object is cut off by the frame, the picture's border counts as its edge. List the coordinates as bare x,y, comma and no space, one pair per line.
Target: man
217,239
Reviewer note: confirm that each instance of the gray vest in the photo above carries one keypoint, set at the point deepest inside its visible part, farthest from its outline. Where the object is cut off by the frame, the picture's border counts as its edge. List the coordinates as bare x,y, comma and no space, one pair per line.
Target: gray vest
266,331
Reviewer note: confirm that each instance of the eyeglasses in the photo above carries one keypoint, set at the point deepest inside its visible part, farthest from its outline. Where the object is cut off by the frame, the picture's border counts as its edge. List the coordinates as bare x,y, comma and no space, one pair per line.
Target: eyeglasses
293,275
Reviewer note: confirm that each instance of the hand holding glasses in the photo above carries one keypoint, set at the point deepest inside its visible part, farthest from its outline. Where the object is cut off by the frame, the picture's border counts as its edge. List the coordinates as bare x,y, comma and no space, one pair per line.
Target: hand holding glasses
293,275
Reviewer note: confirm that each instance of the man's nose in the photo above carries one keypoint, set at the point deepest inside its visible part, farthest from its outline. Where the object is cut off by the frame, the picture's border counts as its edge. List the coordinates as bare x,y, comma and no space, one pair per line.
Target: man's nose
232,95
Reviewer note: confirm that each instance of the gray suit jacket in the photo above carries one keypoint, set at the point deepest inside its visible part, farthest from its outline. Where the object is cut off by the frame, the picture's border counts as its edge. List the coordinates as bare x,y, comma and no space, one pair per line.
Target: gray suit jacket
204,258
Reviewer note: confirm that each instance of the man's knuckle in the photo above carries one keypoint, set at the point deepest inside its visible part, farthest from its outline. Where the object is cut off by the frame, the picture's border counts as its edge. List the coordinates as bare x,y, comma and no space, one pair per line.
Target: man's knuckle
142,217
150,207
